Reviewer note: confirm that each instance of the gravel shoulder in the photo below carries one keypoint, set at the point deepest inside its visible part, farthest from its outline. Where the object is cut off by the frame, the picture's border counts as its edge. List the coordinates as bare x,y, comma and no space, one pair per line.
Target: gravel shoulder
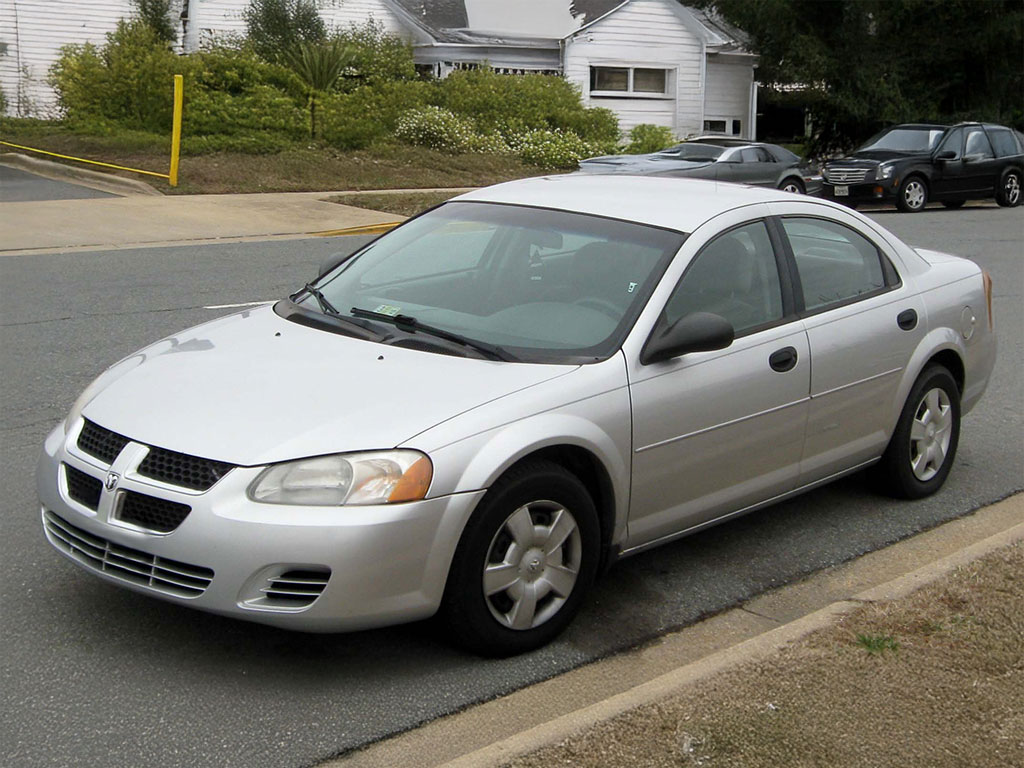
935,678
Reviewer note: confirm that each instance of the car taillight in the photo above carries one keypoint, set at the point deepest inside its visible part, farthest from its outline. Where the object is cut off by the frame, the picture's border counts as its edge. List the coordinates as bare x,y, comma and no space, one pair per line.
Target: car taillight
986,278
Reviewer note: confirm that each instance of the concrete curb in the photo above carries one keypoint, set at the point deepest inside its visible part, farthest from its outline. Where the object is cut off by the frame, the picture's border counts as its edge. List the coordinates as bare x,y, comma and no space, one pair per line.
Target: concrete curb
104,182
755,649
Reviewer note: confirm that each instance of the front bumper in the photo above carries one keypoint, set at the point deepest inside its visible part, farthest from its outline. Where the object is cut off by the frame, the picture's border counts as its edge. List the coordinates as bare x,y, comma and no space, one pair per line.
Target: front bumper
866,192
318,569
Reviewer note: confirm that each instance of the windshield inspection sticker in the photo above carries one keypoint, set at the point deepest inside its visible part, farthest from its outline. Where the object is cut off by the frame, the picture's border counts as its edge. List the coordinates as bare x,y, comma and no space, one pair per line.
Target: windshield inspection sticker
387,309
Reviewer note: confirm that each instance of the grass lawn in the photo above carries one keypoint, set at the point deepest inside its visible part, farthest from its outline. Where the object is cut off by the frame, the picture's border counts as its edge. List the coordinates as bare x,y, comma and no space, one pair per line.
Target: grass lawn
310,168
402,203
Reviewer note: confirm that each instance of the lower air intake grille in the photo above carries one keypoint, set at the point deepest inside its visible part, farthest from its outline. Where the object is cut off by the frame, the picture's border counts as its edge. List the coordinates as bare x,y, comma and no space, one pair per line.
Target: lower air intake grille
181,469
83,488
150,512
126,564
295,589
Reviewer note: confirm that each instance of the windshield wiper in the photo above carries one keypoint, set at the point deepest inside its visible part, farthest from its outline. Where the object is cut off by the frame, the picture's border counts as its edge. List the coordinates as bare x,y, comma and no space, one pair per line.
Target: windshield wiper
325,306
411,325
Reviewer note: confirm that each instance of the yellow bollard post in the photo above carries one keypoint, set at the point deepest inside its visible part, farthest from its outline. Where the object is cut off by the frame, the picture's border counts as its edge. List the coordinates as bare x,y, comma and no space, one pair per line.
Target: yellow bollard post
179,86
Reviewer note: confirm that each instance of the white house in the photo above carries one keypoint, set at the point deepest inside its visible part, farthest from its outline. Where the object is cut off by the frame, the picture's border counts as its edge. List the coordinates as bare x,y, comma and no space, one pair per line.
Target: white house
649,61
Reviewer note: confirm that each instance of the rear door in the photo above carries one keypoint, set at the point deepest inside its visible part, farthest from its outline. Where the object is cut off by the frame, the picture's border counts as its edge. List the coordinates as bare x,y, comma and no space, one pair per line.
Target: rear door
863,322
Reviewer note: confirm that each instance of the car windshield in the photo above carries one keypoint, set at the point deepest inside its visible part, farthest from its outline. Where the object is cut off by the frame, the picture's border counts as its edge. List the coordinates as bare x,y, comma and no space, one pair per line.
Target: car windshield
905,140
538,285
694,151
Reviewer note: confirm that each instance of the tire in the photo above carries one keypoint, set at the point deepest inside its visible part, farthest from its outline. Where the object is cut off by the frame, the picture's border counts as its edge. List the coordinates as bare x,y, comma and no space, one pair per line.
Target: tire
1009,193
954,204
913,195
524,563
794,185
923,446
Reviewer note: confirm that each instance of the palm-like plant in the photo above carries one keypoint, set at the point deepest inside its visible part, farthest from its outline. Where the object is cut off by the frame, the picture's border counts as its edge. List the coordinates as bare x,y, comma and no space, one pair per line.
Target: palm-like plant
318,65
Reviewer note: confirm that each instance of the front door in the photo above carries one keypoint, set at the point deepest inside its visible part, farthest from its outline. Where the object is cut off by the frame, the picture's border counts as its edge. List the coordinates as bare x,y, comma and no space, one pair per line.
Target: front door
715,432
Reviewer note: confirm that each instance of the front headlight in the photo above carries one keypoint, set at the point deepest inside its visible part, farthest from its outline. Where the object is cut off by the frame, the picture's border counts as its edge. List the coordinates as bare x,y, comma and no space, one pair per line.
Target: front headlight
885,171
377,477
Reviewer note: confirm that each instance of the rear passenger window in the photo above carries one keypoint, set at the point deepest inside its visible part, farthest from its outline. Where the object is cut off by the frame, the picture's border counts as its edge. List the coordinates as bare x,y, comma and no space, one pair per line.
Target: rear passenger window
1003,142
835,264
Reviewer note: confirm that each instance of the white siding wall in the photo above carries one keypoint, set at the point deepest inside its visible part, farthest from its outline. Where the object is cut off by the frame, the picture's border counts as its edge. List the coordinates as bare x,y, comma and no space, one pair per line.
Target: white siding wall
645,33
728,93
35,30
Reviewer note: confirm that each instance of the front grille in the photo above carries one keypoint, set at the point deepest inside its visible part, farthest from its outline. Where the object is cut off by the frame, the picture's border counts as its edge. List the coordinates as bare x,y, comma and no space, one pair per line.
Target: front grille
100,442
182,469
295,589
83,488
150,512
131,565
847,175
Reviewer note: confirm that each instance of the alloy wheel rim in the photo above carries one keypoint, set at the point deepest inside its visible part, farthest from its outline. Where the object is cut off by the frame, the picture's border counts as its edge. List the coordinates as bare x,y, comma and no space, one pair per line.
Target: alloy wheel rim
1012,189
930,434
914,195
791,187
532,565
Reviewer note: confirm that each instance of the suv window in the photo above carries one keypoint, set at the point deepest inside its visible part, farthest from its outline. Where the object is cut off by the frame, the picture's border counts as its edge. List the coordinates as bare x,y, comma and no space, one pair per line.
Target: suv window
835,264
954,142
735,276
1004,142
977,145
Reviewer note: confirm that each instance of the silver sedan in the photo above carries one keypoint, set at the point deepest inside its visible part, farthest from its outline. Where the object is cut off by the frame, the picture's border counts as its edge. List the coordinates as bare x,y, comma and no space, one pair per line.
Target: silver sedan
480,410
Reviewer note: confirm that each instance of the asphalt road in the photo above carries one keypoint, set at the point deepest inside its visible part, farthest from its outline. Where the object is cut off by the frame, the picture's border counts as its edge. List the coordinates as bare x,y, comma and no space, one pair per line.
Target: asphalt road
95,675
18,186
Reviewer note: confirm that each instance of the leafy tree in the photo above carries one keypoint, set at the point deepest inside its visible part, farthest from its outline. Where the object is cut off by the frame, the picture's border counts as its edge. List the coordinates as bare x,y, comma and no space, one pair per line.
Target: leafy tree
868,63
318,65
156,15
275,27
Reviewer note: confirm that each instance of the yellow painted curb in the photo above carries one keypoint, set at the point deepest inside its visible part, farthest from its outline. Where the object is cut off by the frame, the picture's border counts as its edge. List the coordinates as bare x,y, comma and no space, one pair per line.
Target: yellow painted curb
367,229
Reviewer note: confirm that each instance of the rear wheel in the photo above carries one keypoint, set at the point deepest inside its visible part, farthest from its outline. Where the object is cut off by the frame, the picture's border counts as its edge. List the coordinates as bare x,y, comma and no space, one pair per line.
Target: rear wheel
524,563
913,195
923,446
1008,194
792,184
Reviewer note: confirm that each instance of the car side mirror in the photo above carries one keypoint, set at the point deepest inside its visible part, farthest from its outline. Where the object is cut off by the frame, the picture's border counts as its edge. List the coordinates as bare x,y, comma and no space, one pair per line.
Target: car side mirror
696,332
946,154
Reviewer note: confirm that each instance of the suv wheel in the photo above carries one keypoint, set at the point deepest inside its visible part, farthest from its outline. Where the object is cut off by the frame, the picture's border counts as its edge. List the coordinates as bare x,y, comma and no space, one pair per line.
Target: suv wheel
1008,194
913,195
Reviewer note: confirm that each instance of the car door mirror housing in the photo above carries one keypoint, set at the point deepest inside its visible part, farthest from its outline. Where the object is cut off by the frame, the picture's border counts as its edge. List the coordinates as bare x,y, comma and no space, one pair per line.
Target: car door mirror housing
696,332
946,154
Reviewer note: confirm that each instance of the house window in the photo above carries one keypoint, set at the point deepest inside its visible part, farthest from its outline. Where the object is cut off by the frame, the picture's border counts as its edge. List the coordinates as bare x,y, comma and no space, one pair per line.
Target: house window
640,81
714,126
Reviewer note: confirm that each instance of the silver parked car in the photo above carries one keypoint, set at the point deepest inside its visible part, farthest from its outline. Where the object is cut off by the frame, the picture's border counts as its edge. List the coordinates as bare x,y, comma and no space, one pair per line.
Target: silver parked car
721,159
482,408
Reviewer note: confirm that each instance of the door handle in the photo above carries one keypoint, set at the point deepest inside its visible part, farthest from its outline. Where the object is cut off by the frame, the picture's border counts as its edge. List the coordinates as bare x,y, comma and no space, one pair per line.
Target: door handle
783,360
907,320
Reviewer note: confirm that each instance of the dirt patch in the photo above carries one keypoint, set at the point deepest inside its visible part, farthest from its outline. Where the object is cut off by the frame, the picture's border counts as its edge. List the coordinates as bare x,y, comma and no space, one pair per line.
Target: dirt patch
935,679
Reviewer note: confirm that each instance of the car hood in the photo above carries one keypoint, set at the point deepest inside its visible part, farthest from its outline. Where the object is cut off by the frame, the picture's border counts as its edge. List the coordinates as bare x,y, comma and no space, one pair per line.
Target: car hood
874,157
253,388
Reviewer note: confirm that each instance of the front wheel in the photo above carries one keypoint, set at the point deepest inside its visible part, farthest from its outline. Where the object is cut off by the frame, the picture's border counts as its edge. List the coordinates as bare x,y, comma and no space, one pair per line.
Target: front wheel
524,563
923,446
913,195
1008,194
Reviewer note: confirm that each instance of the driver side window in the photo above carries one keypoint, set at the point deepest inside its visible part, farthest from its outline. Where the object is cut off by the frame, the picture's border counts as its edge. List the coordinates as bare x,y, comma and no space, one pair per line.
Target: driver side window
953,143
735,276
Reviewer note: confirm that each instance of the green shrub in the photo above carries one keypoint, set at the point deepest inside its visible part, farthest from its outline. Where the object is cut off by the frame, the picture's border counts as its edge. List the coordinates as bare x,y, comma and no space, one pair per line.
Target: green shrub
375,56
595,124
275,26
553,149
260,108
646,138
130,80
237,70
436,128
368,114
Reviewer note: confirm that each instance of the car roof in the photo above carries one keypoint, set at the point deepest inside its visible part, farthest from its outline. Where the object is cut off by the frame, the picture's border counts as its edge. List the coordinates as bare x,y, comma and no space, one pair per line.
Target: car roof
671,203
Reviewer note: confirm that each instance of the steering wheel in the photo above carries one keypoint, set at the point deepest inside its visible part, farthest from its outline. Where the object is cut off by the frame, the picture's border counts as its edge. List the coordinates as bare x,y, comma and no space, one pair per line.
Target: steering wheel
601,305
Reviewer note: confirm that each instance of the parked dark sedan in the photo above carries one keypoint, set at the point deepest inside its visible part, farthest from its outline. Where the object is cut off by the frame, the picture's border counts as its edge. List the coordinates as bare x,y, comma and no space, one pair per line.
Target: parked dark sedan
915,163
722,159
